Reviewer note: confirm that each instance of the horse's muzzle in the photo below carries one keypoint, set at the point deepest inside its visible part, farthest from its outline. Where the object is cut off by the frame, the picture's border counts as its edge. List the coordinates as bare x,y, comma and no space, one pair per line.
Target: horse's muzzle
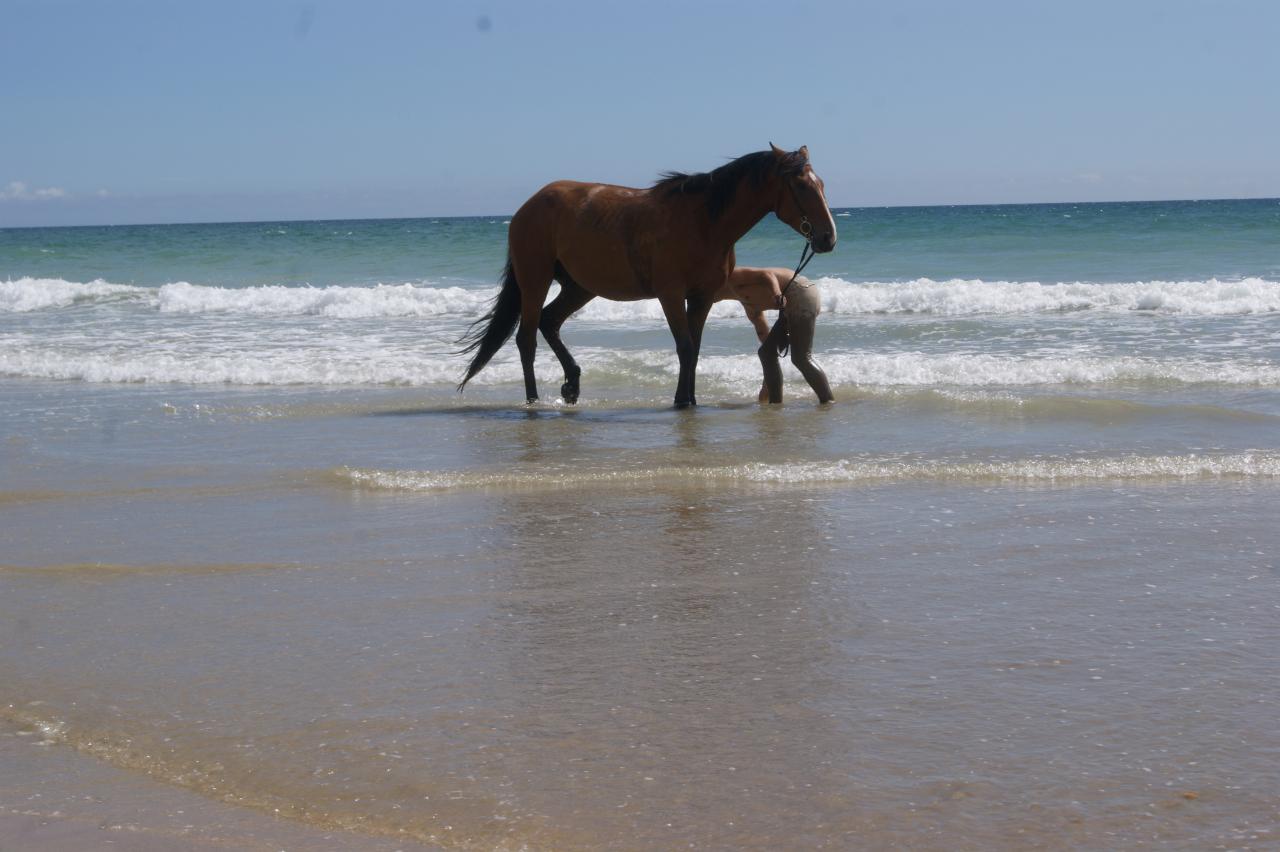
823,243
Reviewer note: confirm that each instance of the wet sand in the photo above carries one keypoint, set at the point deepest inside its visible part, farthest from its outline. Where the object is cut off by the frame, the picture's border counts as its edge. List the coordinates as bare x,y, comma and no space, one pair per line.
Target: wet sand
56,800
891,623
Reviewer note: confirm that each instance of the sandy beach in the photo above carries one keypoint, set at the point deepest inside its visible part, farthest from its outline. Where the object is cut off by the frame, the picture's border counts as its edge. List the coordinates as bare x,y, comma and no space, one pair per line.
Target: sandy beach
55,800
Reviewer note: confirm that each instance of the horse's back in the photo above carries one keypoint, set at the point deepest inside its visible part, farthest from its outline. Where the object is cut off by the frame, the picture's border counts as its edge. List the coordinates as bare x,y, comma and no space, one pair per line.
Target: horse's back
601,234
571,199
533,233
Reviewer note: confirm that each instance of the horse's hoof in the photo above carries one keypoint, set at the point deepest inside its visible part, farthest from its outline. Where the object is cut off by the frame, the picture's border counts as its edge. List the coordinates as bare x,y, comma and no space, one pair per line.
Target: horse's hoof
533,400
569,392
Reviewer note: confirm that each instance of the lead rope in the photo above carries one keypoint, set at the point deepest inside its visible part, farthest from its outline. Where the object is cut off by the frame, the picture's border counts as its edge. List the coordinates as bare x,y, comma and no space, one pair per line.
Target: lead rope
806,255
779,332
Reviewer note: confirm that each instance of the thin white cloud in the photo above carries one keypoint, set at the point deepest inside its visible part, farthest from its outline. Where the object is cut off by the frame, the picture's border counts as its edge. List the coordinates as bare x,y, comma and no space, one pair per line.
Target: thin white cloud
19,191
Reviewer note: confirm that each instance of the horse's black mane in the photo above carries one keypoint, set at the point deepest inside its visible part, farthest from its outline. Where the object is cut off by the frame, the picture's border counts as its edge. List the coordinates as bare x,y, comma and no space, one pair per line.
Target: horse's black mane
721,184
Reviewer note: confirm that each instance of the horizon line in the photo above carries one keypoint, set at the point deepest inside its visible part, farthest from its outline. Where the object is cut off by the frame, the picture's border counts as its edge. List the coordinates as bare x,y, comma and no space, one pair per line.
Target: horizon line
833,207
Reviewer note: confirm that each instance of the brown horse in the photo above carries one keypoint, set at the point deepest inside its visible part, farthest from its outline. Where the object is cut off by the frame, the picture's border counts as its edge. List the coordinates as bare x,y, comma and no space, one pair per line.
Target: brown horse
673,242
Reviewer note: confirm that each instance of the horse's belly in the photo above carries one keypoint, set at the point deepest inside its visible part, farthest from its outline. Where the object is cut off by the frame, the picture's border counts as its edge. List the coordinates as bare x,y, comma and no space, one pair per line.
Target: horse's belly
608,277
606,242
616,291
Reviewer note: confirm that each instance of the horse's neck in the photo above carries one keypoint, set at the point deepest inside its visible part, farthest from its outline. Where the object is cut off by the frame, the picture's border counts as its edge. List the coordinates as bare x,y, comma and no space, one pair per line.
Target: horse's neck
750,205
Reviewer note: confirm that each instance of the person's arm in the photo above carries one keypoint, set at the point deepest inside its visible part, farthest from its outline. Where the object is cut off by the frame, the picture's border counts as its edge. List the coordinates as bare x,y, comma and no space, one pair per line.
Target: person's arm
779,300
758,321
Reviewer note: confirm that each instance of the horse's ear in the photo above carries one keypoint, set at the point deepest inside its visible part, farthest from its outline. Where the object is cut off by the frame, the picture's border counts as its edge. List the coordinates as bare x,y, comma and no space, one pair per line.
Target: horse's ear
777,152
804,152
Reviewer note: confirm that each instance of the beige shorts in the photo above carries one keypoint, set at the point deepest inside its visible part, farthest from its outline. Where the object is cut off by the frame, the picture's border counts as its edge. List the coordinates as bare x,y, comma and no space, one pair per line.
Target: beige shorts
803,301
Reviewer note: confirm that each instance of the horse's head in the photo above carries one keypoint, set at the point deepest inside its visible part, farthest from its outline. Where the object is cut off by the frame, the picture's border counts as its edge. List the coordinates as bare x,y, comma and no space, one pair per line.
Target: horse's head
802,201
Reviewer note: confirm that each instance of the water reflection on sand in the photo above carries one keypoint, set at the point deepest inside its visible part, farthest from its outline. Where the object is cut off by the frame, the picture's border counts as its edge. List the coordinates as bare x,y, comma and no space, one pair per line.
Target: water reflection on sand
643,662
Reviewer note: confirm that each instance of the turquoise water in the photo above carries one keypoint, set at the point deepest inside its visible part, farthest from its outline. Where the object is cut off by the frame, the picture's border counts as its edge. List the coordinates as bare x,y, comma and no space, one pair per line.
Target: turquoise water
1101,242
1098,297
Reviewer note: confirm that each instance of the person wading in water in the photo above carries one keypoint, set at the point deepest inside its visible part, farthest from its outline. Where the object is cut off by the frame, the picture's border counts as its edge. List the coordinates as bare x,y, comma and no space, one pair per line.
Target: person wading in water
761,290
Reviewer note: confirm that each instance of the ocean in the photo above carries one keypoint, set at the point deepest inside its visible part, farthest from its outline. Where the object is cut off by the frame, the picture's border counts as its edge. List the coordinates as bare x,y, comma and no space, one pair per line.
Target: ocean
1017,588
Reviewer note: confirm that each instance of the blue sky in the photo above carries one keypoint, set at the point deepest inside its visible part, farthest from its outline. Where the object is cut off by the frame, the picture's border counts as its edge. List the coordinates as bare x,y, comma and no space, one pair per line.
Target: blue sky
214,111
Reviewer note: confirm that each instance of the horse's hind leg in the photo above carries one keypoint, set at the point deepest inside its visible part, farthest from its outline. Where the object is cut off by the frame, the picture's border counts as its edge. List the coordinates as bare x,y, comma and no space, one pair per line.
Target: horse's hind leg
535,280
566,304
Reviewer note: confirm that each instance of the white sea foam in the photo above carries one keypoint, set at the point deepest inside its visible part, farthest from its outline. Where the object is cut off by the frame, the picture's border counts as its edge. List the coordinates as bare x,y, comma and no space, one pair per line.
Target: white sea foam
959,297
181,297
32,294
382,300
276,366
1039,470
956,297
915,369
243,363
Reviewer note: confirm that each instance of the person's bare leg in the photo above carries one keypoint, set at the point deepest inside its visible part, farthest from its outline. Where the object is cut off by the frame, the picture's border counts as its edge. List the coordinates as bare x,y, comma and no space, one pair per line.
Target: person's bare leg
802,357
768,352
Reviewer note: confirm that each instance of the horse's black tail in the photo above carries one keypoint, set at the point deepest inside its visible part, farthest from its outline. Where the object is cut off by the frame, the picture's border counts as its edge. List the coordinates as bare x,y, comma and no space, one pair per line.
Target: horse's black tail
487,334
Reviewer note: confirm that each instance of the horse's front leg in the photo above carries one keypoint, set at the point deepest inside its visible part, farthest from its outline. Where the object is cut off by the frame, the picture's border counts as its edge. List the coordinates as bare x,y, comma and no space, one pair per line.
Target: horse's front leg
678,322
696,309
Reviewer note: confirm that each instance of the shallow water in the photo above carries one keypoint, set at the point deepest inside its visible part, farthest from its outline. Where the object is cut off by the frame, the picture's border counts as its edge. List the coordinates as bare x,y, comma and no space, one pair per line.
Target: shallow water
630,627
1016,589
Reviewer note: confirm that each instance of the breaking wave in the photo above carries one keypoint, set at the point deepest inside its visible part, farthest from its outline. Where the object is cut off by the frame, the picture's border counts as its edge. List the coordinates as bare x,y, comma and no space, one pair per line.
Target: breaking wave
34,294
955,297
958,297
381,300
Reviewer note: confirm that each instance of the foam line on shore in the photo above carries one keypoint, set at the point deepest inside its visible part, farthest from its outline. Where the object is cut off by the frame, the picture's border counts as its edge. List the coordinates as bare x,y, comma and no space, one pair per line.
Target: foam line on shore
1031,471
